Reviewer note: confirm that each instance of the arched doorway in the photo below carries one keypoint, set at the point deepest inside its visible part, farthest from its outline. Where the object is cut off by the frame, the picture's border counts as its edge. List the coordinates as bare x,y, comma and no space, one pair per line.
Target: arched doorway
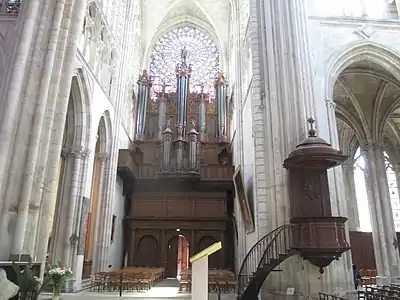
214,261
147,252
177,256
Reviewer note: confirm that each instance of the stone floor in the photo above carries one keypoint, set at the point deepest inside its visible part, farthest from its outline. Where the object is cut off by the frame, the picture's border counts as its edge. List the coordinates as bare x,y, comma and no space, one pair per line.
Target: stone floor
165,290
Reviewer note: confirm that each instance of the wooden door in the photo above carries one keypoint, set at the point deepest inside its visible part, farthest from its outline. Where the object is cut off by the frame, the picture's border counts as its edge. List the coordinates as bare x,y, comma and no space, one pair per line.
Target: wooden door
171,269
147,252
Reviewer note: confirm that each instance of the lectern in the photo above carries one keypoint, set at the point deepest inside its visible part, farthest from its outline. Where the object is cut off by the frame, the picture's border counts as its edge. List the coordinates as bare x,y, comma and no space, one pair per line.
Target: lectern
200,272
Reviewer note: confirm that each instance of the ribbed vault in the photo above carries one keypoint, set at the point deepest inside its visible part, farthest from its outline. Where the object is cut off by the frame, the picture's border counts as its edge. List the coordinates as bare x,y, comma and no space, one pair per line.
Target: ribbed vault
368,106
211,15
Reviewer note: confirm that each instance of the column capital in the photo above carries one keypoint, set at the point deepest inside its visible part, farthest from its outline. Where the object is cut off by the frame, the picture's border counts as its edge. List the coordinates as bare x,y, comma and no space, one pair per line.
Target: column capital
85,152
65,152
330,103
102,156
372,146
78,152
348,162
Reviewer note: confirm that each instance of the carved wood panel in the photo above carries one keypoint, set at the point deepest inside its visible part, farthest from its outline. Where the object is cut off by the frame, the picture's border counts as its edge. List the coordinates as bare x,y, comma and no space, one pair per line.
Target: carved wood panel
309,193
153,246
182,207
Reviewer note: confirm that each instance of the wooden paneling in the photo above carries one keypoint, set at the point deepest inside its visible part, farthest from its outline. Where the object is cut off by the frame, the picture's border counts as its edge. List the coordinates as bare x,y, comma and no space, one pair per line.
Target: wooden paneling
207,173
362,250
179,205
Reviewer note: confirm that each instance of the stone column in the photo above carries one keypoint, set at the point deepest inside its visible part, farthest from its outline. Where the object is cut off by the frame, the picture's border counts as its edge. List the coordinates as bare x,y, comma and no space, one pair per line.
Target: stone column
279,96
351,196
383,231
107,205
282,99
339,276
26,202
13,83
396,205
59,93
97,240
82,218
73,201
398,7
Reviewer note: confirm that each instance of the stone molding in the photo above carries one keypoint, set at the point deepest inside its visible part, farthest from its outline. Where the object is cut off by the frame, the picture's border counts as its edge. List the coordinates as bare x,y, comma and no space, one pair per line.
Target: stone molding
102,156
330,103
75,152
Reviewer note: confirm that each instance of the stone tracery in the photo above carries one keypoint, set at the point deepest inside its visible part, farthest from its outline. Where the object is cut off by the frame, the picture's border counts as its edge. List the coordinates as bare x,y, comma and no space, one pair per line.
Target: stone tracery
202,54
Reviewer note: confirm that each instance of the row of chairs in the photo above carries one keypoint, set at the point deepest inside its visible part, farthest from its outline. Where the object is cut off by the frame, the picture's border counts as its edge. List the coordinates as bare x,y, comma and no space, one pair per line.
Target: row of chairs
128,279
368,277
222,281
384,292
323,296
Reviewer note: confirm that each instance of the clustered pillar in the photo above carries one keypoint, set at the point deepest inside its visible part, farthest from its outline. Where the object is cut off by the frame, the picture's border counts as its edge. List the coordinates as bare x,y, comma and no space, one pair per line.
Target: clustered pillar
383,230
351,196
49,77
282,98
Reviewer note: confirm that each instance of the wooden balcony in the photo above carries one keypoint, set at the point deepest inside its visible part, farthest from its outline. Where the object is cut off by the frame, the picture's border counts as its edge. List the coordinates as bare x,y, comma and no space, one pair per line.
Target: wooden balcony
207,173
127,166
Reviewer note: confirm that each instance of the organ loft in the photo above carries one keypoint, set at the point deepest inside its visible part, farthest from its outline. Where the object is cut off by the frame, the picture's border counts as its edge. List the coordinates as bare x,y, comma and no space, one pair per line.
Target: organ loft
178,176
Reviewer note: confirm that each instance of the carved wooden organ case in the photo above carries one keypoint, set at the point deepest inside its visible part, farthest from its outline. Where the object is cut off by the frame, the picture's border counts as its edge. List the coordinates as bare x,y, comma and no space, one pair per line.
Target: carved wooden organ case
182,123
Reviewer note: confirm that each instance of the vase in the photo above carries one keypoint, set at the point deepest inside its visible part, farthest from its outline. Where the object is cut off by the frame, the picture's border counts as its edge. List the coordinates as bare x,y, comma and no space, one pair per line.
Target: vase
56,292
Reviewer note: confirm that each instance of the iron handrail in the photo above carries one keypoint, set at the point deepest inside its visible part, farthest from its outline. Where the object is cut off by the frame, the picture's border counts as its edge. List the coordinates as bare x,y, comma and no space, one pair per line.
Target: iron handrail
255,246
272,239
281,228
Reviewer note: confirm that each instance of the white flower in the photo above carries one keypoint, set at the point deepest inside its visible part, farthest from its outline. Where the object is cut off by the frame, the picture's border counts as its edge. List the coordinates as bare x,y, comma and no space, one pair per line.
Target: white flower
60,272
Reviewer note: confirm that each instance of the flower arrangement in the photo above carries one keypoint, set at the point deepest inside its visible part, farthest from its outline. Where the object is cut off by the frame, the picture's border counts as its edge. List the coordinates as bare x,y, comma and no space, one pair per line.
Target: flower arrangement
59,275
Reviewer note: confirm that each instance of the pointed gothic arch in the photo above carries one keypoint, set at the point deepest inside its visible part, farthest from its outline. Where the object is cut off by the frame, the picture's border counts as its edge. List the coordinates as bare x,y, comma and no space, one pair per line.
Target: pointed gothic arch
75,143
357,51
97,225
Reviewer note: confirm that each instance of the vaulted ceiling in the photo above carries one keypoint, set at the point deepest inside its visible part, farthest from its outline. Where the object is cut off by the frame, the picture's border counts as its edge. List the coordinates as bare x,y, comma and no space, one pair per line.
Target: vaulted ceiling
368,106
160,15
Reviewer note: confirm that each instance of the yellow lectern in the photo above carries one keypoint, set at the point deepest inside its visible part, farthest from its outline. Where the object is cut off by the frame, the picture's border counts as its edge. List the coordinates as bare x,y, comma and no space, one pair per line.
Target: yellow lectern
200,272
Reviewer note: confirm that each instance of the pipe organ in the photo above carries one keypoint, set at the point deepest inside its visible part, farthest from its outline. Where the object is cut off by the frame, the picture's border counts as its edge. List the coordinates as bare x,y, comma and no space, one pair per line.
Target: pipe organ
184,120
144,86
220,87
179,173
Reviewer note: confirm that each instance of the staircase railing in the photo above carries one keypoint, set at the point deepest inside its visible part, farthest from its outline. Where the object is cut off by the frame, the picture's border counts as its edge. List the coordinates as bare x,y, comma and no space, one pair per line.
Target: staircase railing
270,250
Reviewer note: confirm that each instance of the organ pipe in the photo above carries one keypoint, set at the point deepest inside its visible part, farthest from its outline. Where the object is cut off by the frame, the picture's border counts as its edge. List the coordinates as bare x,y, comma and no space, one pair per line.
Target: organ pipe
221,92
183,72
144,86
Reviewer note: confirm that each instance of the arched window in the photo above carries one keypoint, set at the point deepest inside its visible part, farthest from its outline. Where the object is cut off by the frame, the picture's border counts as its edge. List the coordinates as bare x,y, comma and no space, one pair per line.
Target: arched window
202,55
361,192
393,191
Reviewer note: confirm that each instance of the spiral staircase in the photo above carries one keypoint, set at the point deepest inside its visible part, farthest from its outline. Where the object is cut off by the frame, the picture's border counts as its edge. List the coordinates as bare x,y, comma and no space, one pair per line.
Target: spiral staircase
314,233
266,254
